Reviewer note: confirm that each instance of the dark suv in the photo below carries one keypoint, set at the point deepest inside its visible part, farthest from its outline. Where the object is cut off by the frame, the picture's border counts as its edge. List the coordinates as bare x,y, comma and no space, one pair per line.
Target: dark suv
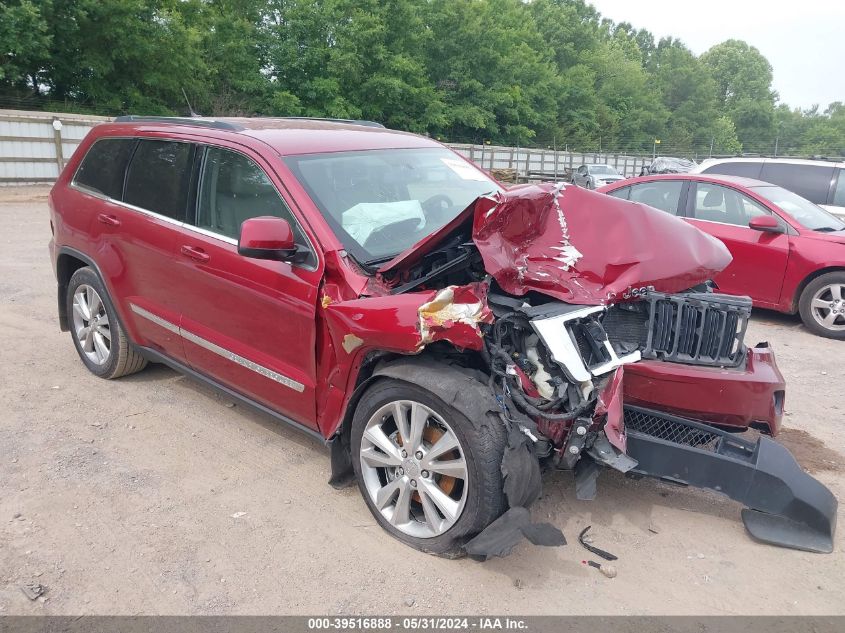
445,337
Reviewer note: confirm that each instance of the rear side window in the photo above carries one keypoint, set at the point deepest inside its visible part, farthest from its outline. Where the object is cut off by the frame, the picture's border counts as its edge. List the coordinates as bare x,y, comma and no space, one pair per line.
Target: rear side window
104,166
808,181
746,169
660,194
839,192
622,192
159,177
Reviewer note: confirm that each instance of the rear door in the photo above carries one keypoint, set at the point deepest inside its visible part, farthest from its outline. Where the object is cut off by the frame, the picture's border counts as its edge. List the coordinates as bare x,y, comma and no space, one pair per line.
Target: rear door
135,229
759,258
247,323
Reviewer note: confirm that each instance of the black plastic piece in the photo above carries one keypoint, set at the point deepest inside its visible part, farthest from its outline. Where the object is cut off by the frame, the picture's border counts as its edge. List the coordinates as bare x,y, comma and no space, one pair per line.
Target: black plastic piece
175,120
697,328
363,122
786,506
595,550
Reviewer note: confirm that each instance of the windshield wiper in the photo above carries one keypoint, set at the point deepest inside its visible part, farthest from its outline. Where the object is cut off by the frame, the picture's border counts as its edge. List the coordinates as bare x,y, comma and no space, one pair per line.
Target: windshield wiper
378,260
827,229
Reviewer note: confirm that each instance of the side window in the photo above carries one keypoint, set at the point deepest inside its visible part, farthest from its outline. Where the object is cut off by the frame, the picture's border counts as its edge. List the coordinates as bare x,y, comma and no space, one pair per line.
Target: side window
716,203
808,181
104,166
233,189
623,193
159,177
660,194
746,169
839,192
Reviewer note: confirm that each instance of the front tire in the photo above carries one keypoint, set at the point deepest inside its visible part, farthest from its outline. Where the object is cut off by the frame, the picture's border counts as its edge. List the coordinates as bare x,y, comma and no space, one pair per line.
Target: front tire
97,334
822,305
430,477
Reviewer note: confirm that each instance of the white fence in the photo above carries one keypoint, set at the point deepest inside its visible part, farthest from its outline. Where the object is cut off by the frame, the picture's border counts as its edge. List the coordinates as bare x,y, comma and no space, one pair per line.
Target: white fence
546,164
34,147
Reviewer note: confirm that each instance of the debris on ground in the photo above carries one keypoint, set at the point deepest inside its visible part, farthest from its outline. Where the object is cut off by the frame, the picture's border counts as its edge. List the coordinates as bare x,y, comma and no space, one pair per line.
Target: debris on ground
583,539
410,601
238,515
33,590
653,529
607,570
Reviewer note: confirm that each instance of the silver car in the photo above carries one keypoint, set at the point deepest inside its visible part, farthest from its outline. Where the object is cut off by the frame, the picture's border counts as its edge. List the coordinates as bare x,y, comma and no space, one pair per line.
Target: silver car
593,176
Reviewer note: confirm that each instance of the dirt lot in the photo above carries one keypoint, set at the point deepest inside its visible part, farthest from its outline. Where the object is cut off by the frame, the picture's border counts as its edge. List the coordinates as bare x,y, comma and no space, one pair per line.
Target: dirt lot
120,497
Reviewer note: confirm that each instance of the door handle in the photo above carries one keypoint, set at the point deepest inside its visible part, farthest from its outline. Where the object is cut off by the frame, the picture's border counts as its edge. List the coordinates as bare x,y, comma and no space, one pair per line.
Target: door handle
110,220
195,253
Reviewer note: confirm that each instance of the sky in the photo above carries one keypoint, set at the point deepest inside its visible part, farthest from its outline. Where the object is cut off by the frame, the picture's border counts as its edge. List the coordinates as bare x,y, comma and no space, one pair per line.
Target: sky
804,41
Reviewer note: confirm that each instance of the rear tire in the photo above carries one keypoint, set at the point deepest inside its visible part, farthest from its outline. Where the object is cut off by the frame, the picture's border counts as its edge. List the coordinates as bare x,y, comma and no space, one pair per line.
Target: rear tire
97,334
407,494
822,305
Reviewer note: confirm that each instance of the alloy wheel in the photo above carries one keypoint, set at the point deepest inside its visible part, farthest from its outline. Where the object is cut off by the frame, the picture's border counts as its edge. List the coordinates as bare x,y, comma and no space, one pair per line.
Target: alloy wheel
828,307
91,324
414,468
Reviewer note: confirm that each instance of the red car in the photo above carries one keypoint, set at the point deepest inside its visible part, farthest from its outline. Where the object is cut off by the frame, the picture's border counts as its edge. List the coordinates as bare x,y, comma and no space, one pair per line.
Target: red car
443,336
788,253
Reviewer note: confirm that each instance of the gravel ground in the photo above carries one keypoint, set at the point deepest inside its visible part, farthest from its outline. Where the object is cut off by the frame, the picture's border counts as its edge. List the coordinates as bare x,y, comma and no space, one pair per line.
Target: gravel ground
153,495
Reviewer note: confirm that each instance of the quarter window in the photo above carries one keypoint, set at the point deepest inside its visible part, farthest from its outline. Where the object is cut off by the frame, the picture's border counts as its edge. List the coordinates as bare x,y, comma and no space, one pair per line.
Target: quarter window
159,177
104,166
746,169
716,203
660,194
233,189
622,192
839,192
808,181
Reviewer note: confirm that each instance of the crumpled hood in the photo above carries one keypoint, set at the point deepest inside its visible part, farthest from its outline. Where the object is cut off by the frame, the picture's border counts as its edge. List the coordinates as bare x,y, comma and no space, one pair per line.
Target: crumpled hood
580,246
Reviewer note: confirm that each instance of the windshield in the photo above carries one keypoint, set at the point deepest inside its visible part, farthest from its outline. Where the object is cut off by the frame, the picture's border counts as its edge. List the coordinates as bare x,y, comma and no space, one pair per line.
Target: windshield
805,212
603,169
380,202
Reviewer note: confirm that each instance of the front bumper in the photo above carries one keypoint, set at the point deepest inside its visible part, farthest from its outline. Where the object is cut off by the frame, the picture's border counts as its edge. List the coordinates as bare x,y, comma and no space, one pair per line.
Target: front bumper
785,505
751,395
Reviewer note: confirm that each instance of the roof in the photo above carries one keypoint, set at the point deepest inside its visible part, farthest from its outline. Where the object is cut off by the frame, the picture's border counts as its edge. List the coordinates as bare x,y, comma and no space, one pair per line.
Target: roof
739,181
825,162
290,136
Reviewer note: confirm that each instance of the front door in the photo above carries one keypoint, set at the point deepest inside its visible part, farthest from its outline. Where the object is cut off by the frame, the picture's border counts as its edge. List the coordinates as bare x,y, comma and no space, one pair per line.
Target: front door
247,323
759,258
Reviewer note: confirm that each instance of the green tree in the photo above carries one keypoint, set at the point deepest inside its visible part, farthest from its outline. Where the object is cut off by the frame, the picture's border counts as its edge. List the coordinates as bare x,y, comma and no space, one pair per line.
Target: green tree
743,79
24,43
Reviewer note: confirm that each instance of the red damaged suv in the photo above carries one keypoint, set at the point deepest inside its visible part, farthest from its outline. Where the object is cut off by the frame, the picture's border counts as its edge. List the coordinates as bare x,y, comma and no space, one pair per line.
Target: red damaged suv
445,337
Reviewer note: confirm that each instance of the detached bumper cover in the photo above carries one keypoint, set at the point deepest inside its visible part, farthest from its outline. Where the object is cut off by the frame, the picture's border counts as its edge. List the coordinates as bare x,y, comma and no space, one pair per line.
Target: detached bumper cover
785,505
749,395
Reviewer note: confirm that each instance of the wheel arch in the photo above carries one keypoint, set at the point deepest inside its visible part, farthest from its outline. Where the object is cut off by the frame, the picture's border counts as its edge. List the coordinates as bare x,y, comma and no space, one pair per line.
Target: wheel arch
455,386
799,290
67,263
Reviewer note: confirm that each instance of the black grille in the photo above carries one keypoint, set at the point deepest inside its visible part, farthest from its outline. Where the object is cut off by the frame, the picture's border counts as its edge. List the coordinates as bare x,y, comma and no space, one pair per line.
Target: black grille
669,430
697,328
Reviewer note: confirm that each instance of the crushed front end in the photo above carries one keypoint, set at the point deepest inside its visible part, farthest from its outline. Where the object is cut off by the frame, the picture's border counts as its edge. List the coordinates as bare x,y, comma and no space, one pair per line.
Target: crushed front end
552,296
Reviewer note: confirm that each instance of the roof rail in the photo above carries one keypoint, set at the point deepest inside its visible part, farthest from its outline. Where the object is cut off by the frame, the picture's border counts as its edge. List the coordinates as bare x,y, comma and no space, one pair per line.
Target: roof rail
176,120
317,118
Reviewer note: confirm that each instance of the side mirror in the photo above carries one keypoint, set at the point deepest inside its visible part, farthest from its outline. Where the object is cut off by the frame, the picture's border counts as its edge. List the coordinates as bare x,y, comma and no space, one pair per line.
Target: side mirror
267,238
766,224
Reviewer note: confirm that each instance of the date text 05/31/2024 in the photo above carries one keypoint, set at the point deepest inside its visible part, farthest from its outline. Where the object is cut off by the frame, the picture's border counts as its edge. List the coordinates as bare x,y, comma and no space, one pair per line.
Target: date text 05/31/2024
416,623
